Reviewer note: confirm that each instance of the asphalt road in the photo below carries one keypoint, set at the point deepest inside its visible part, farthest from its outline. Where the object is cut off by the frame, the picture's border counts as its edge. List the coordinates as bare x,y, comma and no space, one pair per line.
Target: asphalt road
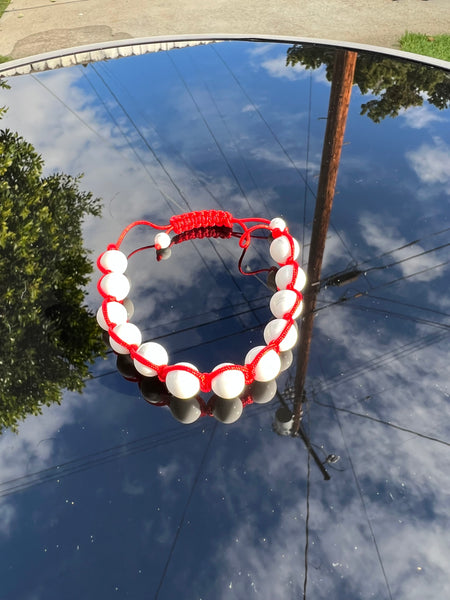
30,27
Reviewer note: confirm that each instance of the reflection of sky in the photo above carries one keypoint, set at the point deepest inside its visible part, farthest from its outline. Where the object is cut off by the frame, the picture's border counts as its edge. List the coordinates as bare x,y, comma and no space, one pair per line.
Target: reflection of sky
229,126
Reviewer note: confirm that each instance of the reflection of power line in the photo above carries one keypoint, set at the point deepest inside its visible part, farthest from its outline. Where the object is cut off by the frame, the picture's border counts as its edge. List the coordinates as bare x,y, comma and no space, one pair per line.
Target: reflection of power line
396,315
308,143
141,135
364,507
94,459
185,509
387,423
354,273
73,112
308,491
107,455
256,109
410,305
382,285
130,145
210,131
383,360
407,245
223,155
172,149
237,148
403,260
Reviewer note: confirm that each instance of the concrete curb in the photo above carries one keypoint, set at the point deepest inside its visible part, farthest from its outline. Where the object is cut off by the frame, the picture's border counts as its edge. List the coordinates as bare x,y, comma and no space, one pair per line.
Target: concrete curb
16,66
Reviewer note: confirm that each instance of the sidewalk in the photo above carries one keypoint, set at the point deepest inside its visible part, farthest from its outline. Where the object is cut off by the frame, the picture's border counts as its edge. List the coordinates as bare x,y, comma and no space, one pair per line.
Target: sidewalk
30,27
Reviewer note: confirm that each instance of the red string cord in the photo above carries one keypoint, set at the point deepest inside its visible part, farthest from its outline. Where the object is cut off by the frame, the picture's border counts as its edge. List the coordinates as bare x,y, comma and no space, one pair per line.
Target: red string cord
200,224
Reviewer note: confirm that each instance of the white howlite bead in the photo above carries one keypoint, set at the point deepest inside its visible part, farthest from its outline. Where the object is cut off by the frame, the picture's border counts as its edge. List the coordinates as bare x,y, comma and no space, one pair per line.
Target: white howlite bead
277,223
228,384
284,277
275,328
268,365
116,312
115,285
182,384
282,302
162,240
127,332
115,261
227,411
280,249
153,352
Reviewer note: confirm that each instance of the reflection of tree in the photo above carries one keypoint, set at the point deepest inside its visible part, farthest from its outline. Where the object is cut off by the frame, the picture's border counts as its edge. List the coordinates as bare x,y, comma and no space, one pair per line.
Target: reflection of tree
398,84
47,334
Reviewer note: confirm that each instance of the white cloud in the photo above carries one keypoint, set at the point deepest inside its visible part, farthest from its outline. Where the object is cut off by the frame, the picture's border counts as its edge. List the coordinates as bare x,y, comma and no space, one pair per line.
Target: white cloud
419,117
431,161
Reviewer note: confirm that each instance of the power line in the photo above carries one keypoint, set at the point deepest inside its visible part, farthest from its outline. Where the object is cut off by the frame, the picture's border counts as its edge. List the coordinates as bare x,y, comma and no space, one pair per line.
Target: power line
185,509
381,421
410,305
308,143
403,260
396,315
165,196
143,138
102,457
208,127
278,141
363,503
384,359
407,245
382,285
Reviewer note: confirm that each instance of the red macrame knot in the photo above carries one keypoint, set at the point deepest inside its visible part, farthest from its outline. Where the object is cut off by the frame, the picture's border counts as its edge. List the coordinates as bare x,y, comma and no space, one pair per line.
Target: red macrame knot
201,218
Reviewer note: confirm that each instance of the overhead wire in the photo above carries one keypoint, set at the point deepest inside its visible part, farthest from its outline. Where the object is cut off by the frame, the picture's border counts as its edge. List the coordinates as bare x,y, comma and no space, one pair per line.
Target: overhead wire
364,507
402,247
141,136
384,359
165,196
242,158
410,305
94,459
360,294
383,422
394,314
223,155
279,143
185,509
308,143
210,131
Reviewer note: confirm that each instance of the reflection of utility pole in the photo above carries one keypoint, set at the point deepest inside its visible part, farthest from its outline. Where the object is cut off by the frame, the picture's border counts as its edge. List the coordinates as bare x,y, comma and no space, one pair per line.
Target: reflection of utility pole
283,426
341,88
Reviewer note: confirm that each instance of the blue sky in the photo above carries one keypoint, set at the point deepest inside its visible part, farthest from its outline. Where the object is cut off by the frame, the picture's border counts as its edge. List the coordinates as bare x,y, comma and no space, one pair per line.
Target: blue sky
230,126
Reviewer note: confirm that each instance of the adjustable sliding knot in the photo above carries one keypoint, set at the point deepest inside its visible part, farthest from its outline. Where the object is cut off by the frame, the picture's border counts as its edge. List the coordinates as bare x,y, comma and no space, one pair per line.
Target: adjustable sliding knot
201,218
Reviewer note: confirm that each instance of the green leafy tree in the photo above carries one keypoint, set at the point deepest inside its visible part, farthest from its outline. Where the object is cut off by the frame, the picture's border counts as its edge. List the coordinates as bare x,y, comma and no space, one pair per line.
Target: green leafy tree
397,83
48,336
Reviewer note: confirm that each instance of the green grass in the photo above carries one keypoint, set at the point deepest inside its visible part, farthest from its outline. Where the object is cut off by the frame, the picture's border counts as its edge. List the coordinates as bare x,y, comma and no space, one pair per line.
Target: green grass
437,46
3,5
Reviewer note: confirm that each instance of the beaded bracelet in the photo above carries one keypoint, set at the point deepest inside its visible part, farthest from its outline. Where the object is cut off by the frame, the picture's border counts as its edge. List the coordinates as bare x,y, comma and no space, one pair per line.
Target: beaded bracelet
184,380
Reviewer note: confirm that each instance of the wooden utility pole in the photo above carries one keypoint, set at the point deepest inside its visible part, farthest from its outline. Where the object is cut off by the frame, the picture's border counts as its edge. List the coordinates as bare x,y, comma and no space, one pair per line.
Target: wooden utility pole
341,89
